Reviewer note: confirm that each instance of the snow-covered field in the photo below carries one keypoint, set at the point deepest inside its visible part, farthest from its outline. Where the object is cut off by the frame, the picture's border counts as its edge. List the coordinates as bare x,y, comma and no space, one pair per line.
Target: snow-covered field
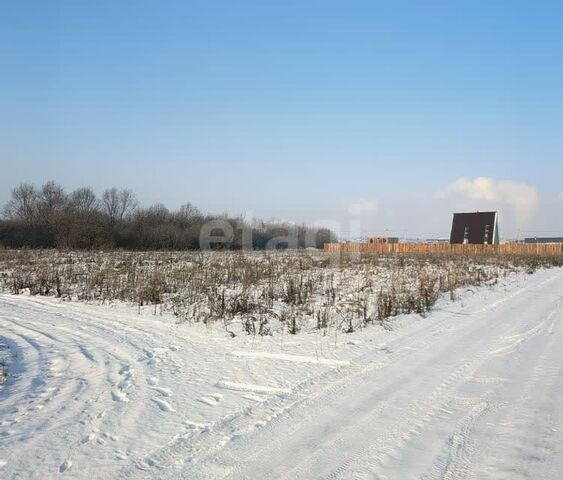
473,390
256,292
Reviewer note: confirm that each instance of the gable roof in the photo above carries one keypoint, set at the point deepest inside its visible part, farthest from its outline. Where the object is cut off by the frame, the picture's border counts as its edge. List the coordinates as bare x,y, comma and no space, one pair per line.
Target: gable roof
475,228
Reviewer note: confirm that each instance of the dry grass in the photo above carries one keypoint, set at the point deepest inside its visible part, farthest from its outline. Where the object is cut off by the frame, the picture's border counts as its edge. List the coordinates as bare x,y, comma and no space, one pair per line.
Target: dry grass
260,291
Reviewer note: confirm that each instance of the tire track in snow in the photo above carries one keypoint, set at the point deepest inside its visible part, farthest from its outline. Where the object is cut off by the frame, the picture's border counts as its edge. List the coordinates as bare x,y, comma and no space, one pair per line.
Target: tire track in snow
460,375
91,382
519,416
85,334
184,448
110,348
461,448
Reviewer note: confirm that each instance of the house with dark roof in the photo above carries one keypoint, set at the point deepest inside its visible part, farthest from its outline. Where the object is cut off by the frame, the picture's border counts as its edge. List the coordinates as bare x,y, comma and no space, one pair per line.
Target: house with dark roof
475,228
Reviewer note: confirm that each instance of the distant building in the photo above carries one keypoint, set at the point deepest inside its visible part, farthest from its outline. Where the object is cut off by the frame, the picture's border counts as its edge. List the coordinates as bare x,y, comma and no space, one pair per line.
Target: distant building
383,240
437,240
544,240
478,228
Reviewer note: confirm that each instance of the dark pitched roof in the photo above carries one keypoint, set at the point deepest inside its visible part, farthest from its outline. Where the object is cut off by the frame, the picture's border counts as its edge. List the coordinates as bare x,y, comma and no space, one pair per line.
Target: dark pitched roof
474,228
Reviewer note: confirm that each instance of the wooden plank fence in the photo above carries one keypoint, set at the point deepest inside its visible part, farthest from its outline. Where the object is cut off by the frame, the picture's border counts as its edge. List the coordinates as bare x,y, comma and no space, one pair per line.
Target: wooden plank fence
525,249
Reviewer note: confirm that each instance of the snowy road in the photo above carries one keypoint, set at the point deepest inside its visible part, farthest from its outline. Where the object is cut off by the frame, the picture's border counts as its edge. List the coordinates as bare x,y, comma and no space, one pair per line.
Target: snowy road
473,391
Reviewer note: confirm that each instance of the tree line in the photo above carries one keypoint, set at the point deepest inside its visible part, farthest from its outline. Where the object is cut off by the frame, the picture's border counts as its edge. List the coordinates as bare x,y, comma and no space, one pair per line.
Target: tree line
49,217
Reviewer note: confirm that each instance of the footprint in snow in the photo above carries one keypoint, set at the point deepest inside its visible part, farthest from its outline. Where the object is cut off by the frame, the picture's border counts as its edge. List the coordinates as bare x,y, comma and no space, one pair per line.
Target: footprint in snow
150,358
119,396
120,455
195,426
125,369
65,466
88,438
125,384
111,437
163,404
152,381
165,392
147,464
211,400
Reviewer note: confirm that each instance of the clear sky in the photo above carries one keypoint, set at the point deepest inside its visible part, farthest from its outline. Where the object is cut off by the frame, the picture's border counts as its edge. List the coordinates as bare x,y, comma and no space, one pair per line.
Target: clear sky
393,114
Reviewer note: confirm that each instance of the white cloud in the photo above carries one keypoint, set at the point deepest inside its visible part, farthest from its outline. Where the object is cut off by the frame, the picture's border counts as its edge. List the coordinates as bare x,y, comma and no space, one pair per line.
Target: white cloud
518,197
363,207
560,197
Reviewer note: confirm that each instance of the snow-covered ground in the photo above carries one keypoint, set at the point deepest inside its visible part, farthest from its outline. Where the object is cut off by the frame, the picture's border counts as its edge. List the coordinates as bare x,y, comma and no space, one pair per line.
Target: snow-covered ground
471,391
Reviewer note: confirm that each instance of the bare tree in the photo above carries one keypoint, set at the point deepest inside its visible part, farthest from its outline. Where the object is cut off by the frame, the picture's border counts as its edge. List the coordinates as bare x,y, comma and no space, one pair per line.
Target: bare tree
83,200
118,203
187,216
188,211
52,200
159,213
23,204
47,217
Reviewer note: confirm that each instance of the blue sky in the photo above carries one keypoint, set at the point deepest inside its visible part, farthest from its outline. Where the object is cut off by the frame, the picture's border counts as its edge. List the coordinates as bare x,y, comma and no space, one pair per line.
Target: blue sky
384,113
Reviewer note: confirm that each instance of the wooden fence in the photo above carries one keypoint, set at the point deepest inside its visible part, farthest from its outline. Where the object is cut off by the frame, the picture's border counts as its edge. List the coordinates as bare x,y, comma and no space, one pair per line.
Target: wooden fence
534,249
